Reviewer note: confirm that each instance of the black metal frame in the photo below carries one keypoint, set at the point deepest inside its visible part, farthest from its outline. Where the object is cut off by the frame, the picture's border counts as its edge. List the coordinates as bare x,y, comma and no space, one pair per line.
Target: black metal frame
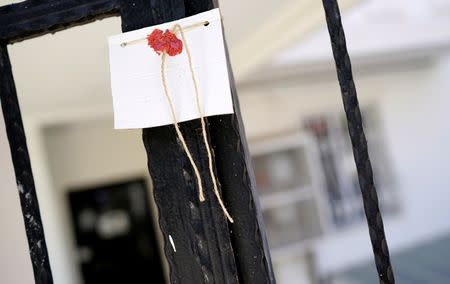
359,142
208,249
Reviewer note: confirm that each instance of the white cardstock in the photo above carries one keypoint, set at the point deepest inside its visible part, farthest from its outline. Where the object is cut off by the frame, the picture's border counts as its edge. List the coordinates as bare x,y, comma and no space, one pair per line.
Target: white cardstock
137,90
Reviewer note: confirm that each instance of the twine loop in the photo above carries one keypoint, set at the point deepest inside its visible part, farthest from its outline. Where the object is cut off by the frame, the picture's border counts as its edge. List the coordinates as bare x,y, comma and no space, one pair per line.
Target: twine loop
202,119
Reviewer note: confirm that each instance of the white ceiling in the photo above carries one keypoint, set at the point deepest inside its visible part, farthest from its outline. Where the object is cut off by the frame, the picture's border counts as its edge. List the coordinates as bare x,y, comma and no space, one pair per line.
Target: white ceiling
242,18
377,28
69,69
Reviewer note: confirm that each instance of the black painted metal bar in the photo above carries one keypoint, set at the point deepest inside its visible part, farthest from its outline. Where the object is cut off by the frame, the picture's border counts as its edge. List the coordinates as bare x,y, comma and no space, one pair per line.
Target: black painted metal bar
24,175
235,171
221,252
205,247
196,238
359,143
198,230
17,22
32,18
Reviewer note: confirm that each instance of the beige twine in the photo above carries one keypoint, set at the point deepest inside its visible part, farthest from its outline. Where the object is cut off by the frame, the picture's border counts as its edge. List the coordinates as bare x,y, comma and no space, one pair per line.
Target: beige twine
177,128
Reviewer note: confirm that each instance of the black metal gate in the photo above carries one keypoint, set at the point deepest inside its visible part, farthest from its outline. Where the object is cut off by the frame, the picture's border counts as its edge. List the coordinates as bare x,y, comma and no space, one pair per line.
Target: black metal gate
218,252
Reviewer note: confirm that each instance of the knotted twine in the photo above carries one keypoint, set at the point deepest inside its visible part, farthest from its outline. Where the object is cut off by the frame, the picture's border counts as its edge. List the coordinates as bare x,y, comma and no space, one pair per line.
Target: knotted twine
174,48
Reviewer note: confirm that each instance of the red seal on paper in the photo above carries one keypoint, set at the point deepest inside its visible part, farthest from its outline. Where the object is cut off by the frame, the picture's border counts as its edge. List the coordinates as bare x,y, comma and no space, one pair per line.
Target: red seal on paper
165,41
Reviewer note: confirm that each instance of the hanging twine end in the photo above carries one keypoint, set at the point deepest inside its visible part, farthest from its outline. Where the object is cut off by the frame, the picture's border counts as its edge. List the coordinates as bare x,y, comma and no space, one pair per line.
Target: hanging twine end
166,43
201,196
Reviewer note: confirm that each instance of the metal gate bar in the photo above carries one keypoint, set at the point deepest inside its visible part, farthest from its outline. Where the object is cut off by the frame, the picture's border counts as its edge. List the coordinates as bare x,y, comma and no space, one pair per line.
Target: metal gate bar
359,143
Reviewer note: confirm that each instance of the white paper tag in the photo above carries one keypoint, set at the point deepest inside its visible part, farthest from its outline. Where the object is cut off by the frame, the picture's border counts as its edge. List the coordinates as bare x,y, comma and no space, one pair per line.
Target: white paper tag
138,95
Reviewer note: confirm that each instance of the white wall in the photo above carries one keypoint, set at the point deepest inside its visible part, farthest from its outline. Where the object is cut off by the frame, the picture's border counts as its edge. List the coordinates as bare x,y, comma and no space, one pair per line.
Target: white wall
74,155
15,263
90,152
414,107
415,111
81,153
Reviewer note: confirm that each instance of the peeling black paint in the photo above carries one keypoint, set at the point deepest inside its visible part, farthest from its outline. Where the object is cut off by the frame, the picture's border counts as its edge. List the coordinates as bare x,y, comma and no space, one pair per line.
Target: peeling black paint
207,248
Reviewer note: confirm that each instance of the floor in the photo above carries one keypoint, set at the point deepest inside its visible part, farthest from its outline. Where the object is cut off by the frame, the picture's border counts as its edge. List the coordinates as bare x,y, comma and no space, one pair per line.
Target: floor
428,263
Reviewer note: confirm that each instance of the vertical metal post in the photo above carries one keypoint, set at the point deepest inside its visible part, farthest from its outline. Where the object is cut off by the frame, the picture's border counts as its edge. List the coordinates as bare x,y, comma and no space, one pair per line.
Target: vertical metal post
211,249
359,143
24,175
205,247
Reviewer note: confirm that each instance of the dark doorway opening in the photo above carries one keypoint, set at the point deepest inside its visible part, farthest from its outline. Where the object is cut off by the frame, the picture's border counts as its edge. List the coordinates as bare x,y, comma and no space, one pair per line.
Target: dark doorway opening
114,234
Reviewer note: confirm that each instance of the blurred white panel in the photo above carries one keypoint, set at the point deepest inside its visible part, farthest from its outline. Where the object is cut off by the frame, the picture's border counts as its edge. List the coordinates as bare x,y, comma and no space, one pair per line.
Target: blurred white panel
380,28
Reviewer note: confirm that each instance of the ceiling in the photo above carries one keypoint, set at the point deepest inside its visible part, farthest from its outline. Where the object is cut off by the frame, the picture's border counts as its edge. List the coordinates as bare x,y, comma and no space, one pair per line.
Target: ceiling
69,69
377,28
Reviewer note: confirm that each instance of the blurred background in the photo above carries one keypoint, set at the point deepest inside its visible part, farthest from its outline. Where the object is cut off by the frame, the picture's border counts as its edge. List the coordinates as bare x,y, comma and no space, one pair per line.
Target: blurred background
92,180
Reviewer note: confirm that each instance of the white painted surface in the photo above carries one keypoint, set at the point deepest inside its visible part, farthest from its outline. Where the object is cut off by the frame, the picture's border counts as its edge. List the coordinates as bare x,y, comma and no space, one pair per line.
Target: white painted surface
136,81
64,70
414,107
418,134
292,270
379,28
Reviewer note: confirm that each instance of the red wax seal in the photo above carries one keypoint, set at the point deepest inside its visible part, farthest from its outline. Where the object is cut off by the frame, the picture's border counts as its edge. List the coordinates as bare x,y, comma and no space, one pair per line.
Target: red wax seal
165,42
